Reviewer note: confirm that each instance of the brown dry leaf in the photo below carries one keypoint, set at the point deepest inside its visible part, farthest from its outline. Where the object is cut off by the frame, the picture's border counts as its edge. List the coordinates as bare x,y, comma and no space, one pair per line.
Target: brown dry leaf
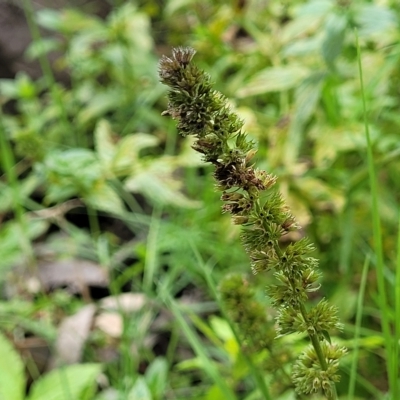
74,274
125,302
72,334
110,323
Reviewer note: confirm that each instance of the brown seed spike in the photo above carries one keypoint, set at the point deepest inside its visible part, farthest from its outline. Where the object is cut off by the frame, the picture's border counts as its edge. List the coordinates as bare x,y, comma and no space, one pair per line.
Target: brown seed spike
183,55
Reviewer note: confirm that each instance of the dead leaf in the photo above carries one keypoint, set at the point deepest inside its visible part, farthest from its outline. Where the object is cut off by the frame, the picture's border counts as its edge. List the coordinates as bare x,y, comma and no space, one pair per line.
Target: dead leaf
125,302
75,274
72,335
110,323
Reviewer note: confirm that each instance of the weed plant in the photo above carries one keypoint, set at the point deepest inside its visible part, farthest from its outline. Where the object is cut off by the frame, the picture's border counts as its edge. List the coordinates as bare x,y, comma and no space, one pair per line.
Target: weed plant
91,172
253,203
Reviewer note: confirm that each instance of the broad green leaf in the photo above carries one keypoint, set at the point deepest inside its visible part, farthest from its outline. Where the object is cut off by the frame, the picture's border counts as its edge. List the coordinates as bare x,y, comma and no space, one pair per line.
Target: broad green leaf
274,79
103,197
49,19
12,375
140,390
315,8
42,47
26,187
156,377
102,103
13,241
70,172
334,35
157,183
307,96
67,383
128,150
373,19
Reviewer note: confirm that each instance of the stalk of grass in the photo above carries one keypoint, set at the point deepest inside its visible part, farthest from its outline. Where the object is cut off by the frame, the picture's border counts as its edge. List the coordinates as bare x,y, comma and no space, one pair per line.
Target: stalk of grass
377,238
360,300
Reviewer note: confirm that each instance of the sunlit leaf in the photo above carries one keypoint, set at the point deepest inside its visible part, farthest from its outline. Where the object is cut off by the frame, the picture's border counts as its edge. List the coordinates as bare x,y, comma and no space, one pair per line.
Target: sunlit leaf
374,18
128,149
140,390
332,45
65,383
157,182
104,144
12,376
103,197
274,79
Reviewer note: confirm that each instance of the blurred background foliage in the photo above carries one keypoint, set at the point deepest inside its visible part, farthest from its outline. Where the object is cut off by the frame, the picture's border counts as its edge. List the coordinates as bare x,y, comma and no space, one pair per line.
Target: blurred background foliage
90,170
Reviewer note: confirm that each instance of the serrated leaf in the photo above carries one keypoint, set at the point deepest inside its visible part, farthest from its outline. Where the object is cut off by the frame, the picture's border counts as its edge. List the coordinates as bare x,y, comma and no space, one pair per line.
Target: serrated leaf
156,377
307,95
335,31
274,79
65,383
102,103
12,376
373,19
157,183
103,197
128,149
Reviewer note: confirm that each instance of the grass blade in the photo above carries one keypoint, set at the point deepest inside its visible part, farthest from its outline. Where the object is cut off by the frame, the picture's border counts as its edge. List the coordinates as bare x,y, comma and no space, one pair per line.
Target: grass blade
377,237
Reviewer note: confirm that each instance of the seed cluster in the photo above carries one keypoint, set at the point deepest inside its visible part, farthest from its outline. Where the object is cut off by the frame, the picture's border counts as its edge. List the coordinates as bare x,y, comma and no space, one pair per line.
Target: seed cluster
250,197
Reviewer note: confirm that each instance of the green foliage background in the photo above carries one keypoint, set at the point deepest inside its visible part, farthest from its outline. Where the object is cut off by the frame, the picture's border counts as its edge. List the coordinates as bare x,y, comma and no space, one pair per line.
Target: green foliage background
290,71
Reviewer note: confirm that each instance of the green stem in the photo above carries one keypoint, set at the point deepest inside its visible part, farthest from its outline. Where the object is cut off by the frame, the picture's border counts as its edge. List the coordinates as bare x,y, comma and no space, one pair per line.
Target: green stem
318,351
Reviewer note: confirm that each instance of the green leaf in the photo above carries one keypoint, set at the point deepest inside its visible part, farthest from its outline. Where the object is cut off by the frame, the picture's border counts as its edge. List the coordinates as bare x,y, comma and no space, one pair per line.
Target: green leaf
103,197
104,144
8,88
140,390
307,96
103,102
157,183
49,19
156,377
221,327
327,336
12,376
42,47
374,19
128,150
274,79
332,45
68,383
12,241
